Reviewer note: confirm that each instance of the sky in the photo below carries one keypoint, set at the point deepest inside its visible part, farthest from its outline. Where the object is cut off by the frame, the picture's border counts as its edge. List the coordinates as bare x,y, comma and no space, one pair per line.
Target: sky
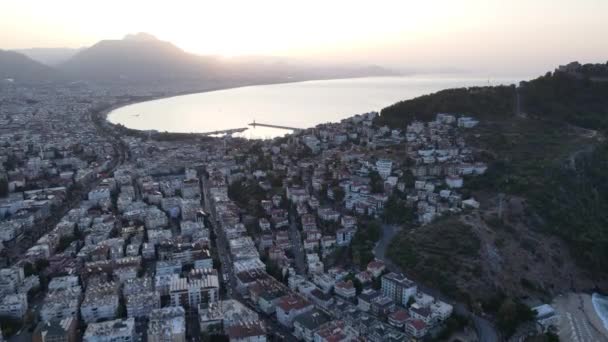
500,37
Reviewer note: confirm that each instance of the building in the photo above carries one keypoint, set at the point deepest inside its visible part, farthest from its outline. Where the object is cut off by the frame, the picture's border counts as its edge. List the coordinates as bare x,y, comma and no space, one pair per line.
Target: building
167,325
60,304
289,307
13,306
546,316
307,323
10,279
111,331
384,167
100,302
399,288
345,289
190,293
247,332
398,318
416,328
225,314
56,331
142,303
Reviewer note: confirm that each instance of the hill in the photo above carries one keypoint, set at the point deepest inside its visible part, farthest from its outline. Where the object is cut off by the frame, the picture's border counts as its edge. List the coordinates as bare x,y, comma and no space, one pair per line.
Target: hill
49,56
21,68
138,58
545,146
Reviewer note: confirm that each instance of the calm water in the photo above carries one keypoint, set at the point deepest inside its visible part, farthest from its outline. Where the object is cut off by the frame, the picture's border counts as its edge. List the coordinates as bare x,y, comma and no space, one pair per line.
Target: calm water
300,104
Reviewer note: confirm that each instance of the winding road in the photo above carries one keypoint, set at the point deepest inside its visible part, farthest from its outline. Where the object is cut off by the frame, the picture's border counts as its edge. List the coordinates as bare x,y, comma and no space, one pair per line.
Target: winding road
484,328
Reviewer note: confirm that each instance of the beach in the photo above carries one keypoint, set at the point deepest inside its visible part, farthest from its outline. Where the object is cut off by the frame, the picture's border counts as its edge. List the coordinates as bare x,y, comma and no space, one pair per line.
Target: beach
579,321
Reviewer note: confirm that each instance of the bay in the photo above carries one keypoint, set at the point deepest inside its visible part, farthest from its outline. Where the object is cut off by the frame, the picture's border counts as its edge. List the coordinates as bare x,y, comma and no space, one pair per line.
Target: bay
298,104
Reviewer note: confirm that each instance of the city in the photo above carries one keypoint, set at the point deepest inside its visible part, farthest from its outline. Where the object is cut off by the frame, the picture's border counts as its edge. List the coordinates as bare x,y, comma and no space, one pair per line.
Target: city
140,238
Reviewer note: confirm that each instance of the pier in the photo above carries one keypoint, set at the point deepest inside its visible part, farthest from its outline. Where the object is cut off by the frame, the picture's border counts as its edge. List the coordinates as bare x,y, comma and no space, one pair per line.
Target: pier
254,124
226,131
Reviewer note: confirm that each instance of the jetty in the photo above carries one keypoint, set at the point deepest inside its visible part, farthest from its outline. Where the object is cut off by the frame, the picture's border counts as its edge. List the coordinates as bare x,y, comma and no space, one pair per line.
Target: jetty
254,124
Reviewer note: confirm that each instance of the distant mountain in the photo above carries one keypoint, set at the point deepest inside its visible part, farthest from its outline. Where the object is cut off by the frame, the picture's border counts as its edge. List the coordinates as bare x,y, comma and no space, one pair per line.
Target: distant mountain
50,56
19,67
143,57
139,57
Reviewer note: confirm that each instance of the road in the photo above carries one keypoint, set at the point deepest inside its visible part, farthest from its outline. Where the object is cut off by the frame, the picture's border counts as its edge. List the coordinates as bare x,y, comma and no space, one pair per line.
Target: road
297,248
485,329
221,243
223,253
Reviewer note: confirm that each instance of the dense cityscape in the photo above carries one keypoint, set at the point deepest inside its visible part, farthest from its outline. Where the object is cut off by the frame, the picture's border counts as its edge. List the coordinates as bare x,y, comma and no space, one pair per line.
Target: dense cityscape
134,238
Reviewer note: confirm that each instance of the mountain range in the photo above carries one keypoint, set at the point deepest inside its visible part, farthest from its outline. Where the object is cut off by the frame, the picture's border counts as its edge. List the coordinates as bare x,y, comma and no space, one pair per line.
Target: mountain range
144,58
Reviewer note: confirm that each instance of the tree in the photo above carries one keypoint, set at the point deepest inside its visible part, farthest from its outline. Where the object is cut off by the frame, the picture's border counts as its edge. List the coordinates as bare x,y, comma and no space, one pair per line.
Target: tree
511,314
396,211
338,194
28,269
377,184
3,187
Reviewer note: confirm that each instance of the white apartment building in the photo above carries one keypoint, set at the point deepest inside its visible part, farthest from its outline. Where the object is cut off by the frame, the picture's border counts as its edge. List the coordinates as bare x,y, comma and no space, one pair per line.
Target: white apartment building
111,331
167,325
398,287
14,305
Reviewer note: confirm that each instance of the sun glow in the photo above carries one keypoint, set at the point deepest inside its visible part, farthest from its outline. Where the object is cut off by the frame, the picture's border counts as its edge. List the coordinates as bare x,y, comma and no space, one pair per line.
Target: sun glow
475,34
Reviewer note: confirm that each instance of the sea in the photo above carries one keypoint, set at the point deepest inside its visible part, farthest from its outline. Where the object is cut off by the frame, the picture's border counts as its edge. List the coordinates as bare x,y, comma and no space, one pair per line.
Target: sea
600,304
295,105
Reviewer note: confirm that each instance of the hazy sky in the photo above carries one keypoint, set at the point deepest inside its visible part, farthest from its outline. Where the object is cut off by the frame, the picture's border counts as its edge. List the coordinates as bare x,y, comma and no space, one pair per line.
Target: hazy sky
493,36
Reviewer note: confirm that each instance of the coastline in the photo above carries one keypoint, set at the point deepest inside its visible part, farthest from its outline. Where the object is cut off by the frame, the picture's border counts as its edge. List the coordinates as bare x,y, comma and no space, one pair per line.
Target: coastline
107,111
578,317
602,315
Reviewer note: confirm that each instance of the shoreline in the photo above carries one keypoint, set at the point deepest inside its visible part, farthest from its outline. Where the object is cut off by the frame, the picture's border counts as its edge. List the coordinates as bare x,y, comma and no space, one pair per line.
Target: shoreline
596,306
106,112
579,317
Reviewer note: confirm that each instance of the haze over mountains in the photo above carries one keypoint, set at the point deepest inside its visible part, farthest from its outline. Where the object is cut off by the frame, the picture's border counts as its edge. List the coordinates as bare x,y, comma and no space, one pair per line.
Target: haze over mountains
143,58
18,66
50,56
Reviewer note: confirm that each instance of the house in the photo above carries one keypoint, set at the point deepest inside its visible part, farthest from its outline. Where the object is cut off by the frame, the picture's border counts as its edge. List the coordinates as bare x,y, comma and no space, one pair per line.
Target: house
376,267
398,318
328,214
345,289
365,277
416,328
546,316
344,236
454,181
247,332
307,323
421,313
289,307
366,298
